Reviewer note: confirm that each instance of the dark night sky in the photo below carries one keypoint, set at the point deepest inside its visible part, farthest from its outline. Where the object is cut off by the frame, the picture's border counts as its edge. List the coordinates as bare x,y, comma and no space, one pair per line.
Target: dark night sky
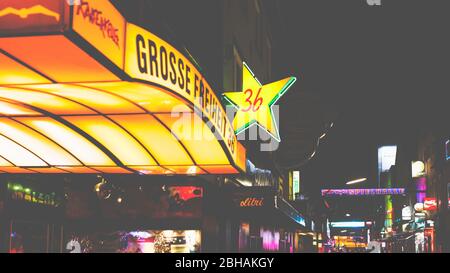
383,70
379,73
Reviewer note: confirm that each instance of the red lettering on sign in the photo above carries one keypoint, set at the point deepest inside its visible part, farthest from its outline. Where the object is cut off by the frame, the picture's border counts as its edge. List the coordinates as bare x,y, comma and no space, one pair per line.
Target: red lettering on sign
252,202
95,17
256,103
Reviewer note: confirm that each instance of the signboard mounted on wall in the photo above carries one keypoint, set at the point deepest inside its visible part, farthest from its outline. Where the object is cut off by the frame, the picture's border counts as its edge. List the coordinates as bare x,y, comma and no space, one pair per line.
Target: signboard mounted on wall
87,52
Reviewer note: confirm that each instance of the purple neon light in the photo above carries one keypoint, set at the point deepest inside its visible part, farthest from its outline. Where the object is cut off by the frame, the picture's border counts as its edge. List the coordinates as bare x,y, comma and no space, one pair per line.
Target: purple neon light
271,239
360,192
421,188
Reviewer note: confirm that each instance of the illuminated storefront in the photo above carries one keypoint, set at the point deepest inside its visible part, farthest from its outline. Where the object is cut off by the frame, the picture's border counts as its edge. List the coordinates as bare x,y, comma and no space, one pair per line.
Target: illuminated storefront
143,241
266,222
80,96
83,93
30,215
349,242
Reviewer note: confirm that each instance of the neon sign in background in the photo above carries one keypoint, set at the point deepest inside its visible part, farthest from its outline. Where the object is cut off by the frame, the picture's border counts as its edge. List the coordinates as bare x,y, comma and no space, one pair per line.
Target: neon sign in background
362,192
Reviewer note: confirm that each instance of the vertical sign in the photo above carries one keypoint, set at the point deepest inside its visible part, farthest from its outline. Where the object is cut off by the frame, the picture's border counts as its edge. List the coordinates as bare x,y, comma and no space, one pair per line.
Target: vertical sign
386,159
295,184
290,187
388,206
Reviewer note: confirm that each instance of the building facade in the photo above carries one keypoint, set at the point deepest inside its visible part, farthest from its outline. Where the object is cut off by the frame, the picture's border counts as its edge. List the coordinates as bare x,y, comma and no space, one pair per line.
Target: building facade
177,200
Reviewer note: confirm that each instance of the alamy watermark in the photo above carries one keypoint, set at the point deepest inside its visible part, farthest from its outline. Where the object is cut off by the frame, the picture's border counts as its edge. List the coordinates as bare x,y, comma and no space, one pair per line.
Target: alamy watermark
188,126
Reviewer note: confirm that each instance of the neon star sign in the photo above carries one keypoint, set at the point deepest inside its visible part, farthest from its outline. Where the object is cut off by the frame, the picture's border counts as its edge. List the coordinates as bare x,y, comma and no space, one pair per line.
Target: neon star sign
254,103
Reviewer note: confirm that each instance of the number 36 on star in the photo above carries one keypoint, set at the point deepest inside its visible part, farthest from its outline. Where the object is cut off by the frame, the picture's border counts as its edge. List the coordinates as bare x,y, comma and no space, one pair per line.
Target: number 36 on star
254,103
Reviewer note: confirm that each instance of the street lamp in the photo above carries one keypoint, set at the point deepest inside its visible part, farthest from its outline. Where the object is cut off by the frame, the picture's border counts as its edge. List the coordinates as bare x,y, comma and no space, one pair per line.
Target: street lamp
356,181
